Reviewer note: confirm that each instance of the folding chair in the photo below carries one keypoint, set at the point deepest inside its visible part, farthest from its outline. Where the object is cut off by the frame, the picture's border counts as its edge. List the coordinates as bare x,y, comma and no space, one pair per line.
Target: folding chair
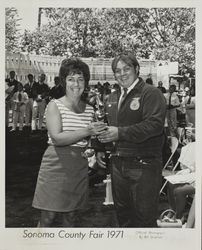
174,142
173,147
187,158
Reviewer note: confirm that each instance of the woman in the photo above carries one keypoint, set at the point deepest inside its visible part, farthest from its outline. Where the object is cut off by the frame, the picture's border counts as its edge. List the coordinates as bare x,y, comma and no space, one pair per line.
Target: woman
62,184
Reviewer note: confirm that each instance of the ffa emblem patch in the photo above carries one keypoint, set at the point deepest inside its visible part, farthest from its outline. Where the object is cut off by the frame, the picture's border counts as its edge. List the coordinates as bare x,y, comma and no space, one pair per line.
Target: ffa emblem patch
135,103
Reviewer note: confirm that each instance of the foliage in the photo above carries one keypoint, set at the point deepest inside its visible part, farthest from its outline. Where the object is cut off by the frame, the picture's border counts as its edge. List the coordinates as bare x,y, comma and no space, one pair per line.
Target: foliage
12,32
33,41
157,33
174,35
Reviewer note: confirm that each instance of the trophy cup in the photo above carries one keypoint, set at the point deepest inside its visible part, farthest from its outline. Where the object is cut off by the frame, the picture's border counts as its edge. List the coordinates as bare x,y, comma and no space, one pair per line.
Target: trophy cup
98,106
100,115
93,98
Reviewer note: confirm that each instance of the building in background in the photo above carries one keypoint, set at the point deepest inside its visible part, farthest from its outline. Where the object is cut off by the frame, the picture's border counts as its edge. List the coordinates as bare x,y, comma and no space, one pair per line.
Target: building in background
100,68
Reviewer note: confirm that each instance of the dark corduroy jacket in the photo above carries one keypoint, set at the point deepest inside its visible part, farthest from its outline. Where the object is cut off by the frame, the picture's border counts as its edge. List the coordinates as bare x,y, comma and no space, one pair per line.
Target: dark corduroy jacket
140,121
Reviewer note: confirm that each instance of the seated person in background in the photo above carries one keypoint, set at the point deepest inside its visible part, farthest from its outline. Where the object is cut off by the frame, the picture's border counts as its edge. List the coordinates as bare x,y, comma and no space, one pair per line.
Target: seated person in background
184,185
20,98
178,196
57,91
187,135
190,134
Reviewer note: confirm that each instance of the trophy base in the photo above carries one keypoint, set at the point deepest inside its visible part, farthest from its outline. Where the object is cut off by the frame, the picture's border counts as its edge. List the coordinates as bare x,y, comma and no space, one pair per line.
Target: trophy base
102,147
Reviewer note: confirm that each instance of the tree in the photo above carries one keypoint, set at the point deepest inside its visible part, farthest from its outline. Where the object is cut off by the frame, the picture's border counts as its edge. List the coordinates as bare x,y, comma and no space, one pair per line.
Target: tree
75,29
11,30
160,33
173,32
166,34
33,42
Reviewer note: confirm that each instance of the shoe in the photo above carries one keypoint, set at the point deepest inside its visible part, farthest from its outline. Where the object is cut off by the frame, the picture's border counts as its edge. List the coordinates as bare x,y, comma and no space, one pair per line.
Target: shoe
168,219
184,225
183,219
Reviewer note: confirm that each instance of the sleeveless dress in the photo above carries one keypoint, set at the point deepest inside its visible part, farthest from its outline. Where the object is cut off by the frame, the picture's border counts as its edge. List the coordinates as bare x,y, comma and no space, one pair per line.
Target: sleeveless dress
62,184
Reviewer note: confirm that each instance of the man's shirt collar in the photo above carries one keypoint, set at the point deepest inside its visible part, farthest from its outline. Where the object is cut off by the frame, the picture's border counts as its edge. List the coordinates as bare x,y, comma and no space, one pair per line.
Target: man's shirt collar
131,86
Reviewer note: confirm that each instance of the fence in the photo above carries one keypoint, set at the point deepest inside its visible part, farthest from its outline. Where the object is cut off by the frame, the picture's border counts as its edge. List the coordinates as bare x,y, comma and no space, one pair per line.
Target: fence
100,68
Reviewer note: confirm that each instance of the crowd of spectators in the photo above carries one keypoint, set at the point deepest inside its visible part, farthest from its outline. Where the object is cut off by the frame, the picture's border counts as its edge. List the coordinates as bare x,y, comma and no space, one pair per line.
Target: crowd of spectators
25,105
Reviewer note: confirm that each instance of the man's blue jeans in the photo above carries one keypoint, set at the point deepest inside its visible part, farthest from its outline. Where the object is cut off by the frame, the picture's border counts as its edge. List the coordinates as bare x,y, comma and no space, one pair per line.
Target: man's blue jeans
135,187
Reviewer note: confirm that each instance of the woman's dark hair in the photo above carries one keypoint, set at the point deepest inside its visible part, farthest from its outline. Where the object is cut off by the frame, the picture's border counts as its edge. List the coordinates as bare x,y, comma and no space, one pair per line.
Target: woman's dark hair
76,66
129,58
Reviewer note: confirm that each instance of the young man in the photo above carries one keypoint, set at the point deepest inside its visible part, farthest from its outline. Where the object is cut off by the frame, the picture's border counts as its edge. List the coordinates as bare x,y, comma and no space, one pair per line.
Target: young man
20,99
57,91
160,86
30,89
173,102
42,92
11,88
136,124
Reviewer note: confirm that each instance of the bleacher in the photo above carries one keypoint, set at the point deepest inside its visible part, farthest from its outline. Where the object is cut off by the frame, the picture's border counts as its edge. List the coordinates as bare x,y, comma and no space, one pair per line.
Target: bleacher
100,68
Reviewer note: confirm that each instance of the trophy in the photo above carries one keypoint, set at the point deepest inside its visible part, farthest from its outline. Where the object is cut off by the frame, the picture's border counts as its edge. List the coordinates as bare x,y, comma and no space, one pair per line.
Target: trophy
95,101
94,98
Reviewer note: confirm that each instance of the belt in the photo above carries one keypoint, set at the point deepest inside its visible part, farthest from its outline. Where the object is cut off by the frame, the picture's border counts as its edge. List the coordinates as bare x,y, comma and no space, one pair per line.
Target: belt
133,157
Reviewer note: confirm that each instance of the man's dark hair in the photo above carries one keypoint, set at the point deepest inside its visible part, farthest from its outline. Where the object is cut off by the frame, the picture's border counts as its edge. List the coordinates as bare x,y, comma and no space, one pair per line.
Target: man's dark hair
57,79
129,58
12,72
30,76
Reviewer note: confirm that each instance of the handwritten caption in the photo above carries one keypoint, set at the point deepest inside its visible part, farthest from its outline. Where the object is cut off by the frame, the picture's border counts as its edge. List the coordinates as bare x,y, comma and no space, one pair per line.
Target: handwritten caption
144,235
